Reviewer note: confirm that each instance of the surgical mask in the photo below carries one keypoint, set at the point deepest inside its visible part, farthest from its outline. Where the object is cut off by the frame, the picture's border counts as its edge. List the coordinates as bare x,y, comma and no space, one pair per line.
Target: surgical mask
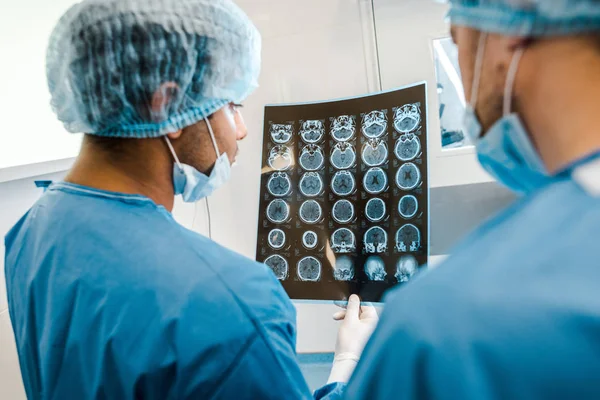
505,152
192,184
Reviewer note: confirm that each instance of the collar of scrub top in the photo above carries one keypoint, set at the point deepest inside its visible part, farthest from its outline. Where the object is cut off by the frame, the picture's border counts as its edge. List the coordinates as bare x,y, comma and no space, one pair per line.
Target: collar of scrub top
586,173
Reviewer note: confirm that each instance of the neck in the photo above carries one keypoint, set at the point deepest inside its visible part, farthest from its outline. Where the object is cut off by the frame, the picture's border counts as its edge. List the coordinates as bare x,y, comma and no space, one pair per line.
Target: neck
146,170
558,90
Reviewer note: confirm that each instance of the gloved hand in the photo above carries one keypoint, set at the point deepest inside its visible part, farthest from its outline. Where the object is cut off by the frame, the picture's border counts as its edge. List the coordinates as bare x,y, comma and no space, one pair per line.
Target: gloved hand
356,329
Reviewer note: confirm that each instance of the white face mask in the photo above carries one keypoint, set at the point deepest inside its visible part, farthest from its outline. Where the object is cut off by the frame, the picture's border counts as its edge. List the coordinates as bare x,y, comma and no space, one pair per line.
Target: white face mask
192,184
506,151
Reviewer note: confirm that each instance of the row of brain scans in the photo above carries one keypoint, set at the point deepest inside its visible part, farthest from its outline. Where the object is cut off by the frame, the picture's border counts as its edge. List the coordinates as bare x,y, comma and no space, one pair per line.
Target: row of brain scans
309,268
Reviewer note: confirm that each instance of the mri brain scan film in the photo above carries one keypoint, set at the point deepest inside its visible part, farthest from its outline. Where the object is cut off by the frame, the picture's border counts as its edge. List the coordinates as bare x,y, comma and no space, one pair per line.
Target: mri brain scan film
374,124
408,176
278,265
281,133
407,147
343,183
343,156
406,268
277,239
343,127
408,239
343,269
407,118
280,158
375,240
311,184
278,211
309,269
408,206
342,211
374,153
375,268
375,209
311,158
343,241
312,131
310,212
344,194
375,180
279,184
310,240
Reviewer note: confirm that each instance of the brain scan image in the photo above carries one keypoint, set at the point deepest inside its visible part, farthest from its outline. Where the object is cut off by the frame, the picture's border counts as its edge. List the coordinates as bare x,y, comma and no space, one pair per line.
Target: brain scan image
279,184
407,118
343,155
343,183
408,206
277,239
374,152
343,241
311,158
375,240
408,238
343,128
309,269
343,211
280,158
343,270
309,240
407,147
375,210
278,211
278,265
310,212
311,184
406,268
375,180
312,131
281,133
408,176
375,269
374,124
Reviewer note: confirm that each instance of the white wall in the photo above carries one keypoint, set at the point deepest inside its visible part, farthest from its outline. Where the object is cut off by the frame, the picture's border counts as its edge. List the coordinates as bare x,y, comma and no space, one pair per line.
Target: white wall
312,50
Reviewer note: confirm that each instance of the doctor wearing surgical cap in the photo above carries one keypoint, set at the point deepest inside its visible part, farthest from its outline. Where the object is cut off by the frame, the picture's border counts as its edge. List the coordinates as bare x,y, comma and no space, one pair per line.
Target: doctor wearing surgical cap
110,298
514,312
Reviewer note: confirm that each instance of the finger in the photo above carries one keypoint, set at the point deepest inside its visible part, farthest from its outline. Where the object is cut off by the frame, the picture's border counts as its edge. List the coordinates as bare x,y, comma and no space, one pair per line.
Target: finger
340,315
353,309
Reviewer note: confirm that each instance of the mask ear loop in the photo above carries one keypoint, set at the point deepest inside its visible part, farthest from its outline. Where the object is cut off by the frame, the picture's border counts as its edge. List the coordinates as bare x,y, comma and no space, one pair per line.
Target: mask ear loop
511,76
173,152
212,137
478,67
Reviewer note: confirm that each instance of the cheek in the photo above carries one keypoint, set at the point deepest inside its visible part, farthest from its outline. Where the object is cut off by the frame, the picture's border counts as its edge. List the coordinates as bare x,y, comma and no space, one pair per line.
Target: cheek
466,61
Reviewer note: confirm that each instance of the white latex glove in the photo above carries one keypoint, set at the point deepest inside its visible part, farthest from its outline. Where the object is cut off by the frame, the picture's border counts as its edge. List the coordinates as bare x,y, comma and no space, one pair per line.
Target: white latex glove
356,329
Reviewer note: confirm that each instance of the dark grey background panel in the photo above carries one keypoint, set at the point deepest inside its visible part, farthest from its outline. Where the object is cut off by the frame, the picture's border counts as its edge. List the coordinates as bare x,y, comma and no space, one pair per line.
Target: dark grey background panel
456,210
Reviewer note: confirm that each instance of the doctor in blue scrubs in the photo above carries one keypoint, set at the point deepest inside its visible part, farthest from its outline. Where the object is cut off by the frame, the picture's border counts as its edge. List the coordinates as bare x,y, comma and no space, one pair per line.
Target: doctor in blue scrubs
110,298
514,312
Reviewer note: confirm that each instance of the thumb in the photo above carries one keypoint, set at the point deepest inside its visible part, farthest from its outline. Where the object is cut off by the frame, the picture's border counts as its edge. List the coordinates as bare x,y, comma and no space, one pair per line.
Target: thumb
353,309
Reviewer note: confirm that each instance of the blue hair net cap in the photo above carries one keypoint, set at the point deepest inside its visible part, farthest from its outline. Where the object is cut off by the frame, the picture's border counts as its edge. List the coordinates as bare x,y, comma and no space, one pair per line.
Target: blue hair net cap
144,68
527,17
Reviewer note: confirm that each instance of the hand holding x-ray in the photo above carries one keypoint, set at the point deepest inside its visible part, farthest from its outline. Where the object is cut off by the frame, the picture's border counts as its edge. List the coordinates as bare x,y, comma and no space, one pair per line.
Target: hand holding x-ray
359,322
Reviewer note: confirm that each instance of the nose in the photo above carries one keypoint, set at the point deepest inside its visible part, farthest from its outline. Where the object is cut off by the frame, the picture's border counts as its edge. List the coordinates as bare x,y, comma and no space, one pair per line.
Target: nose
240,125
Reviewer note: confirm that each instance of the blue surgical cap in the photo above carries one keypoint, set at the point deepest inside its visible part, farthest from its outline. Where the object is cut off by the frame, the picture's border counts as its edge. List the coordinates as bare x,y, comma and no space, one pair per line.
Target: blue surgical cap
144,68
527,17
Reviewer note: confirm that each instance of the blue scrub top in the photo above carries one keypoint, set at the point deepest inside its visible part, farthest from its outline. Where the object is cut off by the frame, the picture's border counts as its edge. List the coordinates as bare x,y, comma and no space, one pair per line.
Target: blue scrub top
111,298
513,313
